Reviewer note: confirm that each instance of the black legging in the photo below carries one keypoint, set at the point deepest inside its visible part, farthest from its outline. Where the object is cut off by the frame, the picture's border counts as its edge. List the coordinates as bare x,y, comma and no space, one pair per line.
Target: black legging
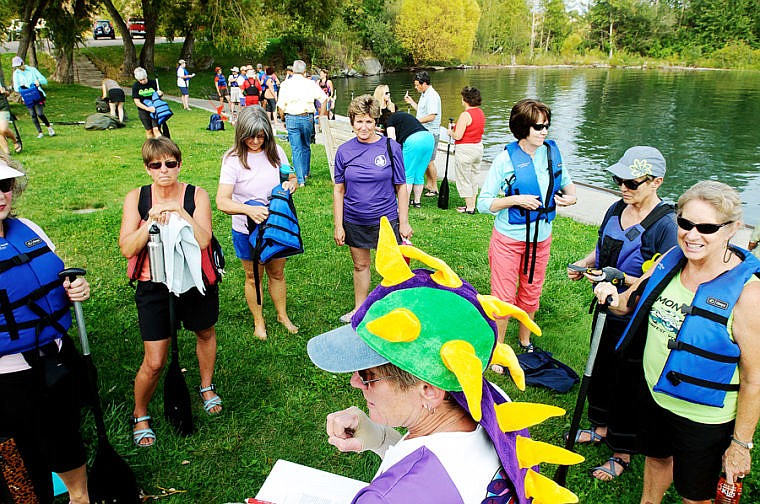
38,112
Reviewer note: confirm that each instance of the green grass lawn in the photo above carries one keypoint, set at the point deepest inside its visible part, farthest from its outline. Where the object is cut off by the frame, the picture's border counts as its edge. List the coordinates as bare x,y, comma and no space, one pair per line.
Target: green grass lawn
275,400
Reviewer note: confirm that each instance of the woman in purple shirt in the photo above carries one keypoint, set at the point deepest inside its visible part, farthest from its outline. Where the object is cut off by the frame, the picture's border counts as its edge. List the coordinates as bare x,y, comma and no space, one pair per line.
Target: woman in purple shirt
369,183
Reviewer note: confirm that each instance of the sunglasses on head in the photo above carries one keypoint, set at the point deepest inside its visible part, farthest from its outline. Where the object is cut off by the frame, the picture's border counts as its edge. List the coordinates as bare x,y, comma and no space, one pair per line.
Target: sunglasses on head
156,165
540,127
629,183
366,377
702,228
7,185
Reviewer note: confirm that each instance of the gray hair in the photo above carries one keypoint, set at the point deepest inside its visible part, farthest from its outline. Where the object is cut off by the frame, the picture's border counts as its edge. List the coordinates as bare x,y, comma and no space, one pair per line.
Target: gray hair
724,198
250,122
140,73
299,67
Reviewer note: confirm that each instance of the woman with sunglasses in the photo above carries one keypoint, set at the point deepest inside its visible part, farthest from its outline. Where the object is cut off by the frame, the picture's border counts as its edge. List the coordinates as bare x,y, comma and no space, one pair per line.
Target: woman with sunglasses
197,312
383,95
636,228
695,327
43,418
250,169
525,185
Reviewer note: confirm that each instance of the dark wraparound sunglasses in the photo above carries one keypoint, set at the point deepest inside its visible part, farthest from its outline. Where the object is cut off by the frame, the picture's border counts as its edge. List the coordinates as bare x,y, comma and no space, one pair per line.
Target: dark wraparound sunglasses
702,228
365,377
539,126
7,185
156,165
629,183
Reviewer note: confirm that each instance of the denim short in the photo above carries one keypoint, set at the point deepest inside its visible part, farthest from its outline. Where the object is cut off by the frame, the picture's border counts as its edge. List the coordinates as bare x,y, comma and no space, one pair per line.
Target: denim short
241,245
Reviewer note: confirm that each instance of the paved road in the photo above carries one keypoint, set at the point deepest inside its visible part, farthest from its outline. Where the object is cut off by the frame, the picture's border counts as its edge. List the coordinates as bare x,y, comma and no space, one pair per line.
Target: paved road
12,47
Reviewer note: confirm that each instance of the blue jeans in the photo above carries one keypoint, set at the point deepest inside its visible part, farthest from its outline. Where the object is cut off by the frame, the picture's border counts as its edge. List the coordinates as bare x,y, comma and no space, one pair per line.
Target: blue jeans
300,131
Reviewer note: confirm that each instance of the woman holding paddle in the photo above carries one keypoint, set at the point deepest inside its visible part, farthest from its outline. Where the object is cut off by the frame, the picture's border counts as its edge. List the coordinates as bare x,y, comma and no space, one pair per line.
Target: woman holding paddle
198,312
250,169
695,326
635,229
39,409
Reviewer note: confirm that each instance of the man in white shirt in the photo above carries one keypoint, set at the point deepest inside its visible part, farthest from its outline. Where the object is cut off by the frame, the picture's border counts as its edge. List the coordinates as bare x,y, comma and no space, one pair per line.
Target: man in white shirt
296,101
429,114
183,83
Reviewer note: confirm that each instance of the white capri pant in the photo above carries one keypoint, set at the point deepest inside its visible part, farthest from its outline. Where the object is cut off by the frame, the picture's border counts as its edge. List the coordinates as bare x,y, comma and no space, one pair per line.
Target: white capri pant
467,158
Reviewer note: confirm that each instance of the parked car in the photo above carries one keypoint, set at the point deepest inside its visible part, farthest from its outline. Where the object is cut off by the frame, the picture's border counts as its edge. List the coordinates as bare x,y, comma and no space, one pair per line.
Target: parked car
136,27
103,28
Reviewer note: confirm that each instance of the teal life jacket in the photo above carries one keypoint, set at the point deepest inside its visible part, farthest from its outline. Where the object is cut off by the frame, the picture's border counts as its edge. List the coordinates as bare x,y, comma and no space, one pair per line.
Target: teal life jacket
524,181
162,112
34,308
703,358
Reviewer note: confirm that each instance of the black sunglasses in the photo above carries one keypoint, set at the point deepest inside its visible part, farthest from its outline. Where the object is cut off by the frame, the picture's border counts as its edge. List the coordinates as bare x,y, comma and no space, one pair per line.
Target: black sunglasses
156,165
702,228
7,185
629,183
365,377
539,126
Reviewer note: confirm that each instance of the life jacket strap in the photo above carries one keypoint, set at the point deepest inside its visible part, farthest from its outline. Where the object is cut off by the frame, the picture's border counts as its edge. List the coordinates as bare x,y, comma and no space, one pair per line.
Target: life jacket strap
701,312
676,378
680,345
23,258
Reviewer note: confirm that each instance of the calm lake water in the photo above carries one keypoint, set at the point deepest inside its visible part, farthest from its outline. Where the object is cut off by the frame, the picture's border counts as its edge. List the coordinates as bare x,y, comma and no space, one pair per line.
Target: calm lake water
702,121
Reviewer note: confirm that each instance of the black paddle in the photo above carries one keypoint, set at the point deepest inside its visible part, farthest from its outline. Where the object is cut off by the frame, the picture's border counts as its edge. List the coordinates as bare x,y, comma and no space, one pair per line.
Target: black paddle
443,192
561,475
109,479
15,127
177,408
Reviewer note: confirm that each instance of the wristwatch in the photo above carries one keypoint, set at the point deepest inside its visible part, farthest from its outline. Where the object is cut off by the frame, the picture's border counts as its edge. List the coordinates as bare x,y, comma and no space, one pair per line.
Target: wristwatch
748,446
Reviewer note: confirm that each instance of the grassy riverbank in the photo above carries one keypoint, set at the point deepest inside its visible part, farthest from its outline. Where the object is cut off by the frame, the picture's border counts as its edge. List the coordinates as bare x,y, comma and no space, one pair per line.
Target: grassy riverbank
275,400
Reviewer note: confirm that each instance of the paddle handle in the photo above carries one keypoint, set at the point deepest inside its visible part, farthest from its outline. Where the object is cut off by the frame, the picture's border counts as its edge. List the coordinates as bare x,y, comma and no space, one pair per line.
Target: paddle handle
72,274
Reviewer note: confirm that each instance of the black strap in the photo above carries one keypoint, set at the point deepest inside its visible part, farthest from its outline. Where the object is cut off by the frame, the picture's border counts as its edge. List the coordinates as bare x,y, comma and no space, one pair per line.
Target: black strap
22,258
676,378
680,345
37,293
656,214
701,312
53,321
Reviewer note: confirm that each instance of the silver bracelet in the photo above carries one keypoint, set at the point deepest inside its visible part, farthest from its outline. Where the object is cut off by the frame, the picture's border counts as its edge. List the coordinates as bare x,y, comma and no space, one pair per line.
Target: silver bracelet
748,446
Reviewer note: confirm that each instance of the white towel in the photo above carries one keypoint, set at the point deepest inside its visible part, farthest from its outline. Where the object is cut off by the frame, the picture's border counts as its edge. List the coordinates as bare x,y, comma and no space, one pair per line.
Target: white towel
182,256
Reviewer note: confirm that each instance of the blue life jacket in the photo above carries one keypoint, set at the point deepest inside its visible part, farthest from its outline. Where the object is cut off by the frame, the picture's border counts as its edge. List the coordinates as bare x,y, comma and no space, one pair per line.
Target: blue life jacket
702,358
215,123
278,236
221,81
162,112
233,81
31,95
524,181
621,248
34,308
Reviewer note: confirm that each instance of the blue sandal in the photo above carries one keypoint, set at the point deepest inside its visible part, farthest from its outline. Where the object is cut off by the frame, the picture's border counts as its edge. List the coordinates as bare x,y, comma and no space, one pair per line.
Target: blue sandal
209,404
140,434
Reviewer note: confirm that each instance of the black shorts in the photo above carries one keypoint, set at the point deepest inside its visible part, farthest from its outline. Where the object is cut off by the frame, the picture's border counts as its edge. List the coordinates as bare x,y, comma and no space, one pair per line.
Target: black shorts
271,104
116,95
697,449
365,237
148,122
44,422
195,310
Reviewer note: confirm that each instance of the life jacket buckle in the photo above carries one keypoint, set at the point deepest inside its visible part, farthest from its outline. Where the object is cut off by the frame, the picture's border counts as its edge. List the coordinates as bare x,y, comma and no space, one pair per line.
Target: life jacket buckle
687,309
673,378
20,259
674,344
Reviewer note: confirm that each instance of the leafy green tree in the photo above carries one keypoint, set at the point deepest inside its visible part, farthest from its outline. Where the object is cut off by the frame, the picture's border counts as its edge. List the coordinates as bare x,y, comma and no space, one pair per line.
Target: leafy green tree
556,24
504,26
713,24
129,62
438,30
66,22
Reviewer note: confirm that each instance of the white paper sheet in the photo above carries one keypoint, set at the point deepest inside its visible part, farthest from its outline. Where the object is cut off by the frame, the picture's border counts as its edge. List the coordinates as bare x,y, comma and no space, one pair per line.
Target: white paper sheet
291,483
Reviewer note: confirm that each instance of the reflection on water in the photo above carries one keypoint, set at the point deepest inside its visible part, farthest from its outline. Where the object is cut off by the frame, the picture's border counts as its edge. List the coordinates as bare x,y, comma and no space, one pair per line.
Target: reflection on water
702,121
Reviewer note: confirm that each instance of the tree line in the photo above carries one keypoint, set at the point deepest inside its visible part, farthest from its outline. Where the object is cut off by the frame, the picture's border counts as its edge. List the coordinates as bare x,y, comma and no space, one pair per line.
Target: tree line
338,33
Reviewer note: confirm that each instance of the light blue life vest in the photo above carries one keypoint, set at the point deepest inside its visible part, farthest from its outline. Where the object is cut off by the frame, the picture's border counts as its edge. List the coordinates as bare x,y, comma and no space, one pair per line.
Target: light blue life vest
524,181
34,308
621,248
702,358
162,112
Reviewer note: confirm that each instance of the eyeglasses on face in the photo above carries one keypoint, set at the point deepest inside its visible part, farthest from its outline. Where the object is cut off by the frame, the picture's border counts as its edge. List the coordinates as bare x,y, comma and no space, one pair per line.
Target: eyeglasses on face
388,93
540,127
7,185
366,377
702,227
156,165
631,184
259,136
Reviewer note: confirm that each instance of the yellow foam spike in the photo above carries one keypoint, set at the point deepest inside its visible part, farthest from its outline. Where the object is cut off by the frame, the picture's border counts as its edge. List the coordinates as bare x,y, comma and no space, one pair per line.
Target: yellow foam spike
513,416
443,275
459,357
531,452
545,491
397,326
389,261
495,308
649,263
503,355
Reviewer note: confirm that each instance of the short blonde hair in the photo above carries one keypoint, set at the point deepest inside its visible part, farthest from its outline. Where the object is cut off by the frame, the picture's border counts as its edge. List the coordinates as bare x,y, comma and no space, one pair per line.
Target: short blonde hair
724,198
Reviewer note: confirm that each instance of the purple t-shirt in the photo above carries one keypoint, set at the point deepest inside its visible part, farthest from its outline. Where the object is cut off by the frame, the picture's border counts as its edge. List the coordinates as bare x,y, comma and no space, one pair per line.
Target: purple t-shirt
370,180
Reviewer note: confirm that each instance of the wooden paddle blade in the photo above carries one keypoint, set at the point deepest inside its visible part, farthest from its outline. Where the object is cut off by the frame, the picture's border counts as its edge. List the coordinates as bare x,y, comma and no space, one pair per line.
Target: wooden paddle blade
110,479
177,408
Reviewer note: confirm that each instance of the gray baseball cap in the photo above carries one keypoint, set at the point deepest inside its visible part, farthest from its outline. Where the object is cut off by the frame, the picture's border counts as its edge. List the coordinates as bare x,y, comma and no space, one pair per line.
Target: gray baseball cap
639,161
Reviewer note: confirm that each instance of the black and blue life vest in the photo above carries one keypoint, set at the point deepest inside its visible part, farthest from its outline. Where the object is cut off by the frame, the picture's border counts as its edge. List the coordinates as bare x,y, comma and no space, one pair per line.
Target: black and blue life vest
621,248
279,235
162,112
221,81
34,308
703,358
524,181
233,81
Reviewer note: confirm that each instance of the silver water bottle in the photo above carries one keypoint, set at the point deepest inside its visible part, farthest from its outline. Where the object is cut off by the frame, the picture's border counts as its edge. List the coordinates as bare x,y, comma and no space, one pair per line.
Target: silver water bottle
156,255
